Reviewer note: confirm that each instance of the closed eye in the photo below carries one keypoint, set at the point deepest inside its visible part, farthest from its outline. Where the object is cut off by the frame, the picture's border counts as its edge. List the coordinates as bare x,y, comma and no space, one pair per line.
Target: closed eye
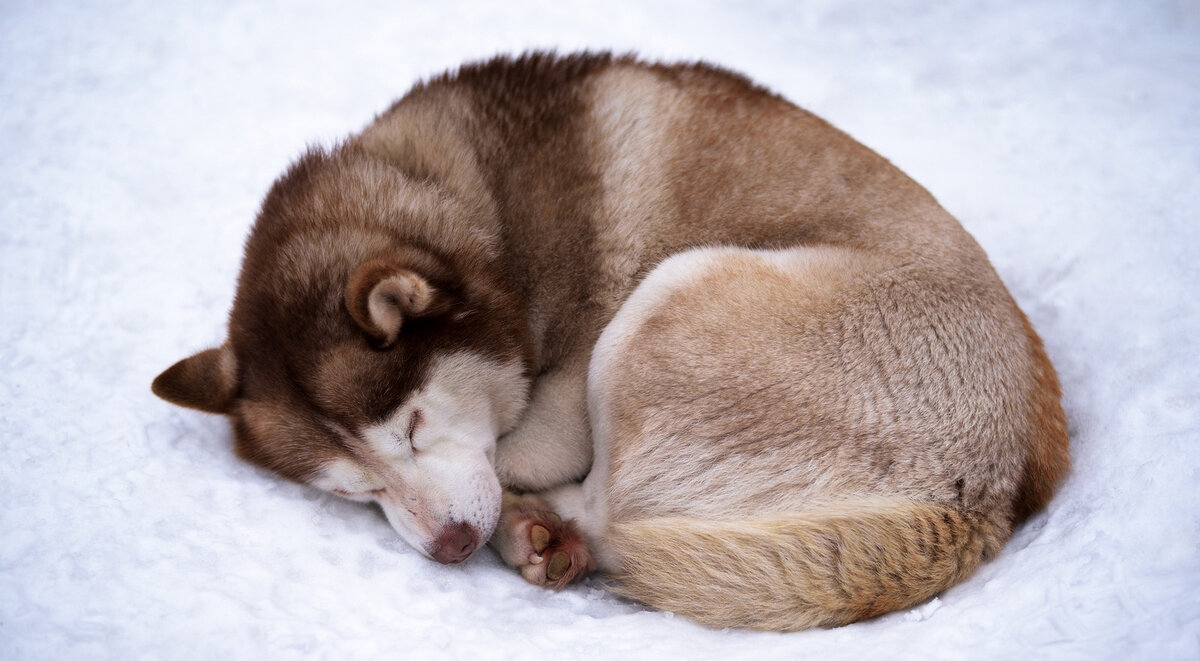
359,495
414,423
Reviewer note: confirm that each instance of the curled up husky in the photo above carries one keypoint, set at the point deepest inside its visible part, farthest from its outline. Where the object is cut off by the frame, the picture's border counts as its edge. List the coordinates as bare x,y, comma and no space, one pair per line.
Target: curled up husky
642,318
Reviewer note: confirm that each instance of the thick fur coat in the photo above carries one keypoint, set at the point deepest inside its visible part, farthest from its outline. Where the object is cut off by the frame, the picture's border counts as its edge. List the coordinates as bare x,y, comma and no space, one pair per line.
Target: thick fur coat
798,391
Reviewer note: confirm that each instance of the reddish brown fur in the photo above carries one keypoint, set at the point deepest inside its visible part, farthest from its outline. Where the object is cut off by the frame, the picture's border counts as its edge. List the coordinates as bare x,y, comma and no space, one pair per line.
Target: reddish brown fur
1047,442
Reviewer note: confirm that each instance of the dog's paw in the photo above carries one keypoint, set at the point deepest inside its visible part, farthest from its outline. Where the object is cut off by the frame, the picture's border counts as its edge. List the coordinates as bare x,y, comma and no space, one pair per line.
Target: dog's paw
556,554
546,550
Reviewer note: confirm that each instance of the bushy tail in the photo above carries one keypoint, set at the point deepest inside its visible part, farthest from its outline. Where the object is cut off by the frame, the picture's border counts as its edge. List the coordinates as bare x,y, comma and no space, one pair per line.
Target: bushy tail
828,567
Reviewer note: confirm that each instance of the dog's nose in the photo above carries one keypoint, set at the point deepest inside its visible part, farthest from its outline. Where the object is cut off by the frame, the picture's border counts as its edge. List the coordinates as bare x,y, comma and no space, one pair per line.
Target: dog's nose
454,544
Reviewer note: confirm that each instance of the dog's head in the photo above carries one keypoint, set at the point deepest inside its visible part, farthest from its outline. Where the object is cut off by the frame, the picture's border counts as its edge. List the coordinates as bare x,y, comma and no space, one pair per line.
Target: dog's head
372,350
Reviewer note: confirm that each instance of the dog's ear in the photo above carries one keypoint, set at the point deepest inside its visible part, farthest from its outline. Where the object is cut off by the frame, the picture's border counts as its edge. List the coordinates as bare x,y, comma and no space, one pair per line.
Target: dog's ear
206,381
381,294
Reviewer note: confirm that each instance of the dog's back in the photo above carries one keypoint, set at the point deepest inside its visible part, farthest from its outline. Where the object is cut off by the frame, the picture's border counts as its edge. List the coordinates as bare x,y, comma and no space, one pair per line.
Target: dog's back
589,170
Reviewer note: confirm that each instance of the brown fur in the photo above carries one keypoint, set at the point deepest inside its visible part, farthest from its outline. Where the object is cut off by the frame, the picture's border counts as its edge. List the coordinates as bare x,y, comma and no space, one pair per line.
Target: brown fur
206,381
839,428
1047,461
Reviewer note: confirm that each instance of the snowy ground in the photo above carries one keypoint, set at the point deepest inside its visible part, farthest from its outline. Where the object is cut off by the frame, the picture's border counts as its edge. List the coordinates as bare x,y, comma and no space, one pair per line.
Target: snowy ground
136,139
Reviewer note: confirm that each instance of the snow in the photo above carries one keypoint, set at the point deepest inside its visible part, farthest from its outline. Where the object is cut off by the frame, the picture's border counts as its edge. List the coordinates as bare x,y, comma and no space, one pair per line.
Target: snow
138,138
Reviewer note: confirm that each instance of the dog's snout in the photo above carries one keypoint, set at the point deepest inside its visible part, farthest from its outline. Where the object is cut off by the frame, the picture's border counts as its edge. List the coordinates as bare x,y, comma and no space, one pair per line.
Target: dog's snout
455,543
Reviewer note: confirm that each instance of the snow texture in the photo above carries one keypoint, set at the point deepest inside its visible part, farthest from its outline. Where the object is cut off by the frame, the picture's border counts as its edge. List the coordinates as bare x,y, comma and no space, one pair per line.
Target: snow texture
137,138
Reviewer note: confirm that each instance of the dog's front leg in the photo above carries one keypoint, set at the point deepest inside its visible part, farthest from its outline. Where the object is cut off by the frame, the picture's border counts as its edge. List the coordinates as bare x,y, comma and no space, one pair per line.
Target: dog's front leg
551,445
532,539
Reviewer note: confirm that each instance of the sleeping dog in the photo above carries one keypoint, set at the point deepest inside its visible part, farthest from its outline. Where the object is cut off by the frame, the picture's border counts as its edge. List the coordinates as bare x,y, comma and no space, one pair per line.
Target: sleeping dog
651,319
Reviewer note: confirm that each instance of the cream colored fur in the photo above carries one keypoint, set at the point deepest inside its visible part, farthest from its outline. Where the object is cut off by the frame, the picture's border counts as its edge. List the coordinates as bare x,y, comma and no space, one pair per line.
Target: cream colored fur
829,565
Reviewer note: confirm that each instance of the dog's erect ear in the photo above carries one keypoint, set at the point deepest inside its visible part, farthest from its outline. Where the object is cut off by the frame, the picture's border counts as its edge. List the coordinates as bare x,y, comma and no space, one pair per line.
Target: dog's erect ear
206,381
381,295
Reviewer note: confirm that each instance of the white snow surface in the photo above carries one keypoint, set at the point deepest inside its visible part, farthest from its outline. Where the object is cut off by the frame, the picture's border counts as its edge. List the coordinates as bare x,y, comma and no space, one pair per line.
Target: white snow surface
137,139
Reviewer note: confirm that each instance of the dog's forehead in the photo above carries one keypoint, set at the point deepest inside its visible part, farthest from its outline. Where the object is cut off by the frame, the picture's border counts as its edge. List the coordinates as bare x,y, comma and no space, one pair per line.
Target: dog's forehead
356,385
